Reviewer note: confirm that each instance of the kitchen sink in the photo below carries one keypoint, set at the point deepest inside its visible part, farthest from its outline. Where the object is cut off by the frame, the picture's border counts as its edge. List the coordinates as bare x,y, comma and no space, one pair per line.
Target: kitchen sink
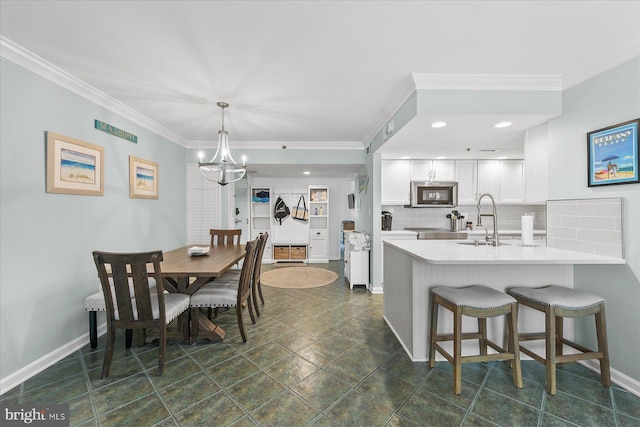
438,234
481,243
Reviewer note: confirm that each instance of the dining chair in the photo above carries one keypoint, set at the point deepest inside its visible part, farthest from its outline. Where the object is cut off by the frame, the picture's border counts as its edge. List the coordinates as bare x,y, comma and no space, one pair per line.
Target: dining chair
216,294
95,303
141,309
256,284
225,237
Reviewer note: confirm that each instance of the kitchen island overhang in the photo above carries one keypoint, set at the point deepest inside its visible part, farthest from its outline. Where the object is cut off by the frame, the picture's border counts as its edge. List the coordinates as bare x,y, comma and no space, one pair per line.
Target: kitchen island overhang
413,267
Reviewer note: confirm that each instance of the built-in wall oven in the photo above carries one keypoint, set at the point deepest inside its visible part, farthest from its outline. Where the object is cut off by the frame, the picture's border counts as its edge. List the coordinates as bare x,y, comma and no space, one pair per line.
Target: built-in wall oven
434,194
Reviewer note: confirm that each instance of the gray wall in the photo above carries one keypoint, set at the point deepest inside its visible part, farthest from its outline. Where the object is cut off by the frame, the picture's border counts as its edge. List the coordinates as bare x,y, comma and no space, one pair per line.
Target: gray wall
610,98
45,251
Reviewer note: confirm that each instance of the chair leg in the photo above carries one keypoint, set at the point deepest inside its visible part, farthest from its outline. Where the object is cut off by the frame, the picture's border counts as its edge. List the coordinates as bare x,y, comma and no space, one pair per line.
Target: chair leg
93,329
128,337
482,341
559,334
254,298
108,352
163,348
251,313
514,345
260,292
195,312
603,347
433,331
457,350
241,323
550,338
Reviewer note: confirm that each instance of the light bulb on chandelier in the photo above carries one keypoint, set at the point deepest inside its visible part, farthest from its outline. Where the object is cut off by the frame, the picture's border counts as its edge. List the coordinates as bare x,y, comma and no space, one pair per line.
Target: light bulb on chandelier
222,168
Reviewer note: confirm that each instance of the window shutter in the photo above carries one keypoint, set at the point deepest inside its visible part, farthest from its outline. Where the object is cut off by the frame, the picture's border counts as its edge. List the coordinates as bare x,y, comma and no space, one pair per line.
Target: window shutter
203,201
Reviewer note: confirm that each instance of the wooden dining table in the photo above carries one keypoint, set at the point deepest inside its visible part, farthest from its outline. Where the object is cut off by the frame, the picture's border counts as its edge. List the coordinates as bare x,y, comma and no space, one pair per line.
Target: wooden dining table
186,274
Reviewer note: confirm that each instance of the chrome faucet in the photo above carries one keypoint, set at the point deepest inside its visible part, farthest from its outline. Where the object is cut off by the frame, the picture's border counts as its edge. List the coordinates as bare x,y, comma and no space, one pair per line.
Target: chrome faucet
493,240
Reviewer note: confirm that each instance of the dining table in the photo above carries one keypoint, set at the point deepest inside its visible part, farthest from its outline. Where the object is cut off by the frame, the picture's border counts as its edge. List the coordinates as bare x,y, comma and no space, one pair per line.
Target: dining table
186,273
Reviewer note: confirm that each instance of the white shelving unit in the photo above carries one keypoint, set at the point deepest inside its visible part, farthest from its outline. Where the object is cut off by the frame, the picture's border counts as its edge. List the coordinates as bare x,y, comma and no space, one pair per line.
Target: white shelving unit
318,202
261,214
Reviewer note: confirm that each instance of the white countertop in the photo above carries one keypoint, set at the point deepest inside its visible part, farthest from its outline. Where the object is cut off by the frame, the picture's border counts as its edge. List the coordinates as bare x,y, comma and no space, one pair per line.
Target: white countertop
502,232
451,252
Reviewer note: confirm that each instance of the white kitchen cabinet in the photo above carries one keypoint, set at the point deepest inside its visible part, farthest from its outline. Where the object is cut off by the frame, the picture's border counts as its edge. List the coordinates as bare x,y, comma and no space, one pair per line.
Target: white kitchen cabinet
467,178
356,266
432,170
396,182
512,189
489,179
318,246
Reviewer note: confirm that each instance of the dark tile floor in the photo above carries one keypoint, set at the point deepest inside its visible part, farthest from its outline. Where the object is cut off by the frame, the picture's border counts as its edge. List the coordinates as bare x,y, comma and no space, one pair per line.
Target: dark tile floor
316,357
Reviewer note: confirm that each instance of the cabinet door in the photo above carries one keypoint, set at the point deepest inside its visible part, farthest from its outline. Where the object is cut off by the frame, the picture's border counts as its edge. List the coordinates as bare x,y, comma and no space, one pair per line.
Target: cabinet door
467,178
512,181
318,245
443,170
421,170
395,182
489,179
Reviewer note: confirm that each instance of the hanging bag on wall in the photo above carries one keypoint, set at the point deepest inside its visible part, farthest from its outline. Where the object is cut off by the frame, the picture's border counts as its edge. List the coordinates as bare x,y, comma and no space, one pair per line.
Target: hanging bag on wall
300,212
281,210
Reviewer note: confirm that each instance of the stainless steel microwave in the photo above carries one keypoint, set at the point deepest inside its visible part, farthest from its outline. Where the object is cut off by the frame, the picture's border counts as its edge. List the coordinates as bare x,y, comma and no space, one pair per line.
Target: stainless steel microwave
434,194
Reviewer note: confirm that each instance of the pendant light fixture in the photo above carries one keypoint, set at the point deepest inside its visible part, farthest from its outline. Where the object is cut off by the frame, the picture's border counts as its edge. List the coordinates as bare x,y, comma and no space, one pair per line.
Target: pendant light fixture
222,168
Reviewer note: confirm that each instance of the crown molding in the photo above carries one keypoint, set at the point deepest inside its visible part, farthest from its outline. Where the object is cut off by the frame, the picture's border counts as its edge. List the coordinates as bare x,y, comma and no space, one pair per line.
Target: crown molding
277,145
23,58
407,88
524,82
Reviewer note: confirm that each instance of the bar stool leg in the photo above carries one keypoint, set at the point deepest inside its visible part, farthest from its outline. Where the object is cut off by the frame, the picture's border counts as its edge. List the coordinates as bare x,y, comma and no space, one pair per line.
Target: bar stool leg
551,340
601,330
559,334
482,341
514,345
457,350
433,332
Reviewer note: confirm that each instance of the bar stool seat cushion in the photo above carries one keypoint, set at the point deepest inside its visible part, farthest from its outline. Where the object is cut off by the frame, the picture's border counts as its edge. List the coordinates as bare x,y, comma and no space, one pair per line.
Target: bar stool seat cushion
558,296
478,297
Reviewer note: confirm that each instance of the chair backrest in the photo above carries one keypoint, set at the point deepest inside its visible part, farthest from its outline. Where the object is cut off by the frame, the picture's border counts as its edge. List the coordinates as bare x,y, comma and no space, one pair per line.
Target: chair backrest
225,237
246,274
262,243
122,306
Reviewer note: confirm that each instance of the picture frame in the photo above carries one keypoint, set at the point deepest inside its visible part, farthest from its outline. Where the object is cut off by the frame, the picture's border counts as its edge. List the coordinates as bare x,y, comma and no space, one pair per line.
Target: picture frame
73,166
612,155
143,178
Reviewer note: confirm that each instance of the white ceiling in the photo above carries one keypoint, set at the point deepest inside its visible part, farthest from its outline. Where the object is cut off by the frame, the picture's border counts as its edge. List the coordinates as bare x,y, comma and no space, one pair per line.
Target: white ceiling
316,72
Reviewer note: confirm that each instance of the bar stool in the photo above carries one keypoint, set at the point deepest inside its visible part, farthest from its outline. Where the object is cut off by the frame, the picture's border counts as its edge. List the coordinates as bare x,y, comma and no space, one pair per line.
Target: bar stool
480,302
558,302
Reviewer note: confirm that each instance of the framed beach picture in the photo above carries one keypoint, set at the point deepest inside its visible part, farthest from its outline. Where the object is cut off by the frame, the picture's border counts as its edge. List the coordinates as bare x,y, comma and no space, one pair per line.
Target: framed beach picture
74,166
143,179
613,154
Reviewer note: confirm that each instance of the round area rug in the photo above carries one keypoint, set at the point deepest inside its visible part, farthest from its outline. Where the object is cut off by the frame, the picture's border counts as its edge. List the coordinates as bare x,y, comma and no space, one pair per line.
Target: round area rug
297,277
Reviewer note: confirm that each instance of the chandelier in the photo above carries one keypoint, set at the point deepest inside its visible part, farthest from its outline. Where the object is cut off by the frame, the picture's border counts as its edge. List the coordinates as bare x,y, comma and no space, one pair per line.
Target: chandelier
222,168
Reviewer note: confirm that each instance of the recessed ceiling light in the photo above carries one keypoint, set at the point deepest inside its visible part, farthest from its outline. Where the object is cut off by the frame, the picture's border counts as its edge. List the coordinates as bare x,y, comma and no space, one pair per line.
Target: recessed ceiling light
441,157
306,173
503,157
438,124
405,157
502,125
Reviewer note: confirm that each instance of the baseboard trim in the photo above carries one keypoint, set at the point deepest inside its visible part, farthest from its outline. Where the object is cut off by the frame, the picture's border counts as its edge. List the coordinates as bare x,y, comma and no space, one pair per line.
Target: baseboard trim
624,381
34,368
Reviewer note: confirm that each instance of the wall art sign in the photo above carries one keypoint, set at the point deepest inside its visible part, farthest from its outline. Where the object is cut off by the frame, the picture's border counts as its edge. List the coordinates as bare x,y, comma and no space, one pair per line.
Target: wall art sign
613,154
112,130
143,179
74,166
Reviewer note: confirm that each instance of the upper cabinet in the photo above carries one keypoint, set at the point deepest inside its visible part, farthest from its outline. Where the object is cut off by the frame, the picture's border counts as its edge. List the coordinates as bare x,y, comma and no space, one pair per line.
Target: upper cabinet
503,179
396,178
433,170
489,179
467,178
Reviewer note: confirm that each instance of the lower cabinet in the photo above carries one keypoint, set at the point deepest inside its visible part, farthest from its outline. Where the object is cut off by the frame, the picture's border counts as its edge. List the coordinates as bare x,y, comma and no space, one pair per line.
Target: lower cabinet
318,246
356,266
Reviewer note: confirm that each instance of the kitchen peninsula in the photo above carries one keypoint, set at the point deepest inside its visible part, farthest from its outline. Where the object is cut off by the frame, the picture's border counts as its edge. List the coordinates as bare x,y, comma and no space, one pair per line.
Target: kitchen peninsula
412,267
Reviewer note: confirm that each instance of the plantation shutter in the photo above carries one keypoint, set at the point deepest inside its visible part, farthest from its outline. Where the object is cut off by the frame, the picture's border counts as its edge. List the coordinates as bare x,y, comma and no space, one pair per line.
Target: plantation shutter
203,205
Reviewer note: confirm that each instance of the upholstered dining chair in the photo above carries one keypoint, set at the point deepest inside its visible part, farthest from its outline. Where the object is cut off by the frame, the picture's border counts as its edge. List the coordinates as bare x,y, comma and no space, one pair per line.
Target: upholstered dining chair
141,309
216,294
225,237
95,303
256,284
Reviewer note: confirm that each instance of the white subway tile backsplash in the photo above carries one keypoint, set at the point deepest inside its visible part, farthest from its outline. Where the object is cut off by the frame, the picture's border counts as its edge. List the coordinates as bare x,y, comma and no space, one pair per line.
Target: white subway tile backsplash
586,225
